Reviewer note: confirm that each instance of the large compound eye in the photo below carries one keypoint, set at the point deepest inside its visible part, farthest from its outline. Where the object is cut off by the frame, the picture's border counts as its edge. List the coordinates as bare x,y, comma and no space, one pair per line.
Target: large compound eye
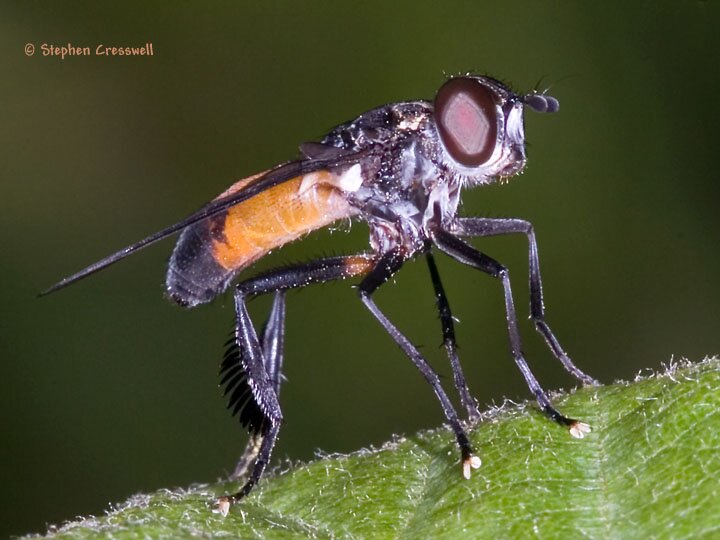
466,117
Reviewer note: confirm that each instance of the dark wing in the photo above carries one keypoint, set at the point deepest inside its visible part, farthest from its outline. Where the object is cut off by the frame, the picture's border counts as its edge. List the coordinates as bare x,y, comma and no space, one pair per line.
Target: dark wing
273,177
316,150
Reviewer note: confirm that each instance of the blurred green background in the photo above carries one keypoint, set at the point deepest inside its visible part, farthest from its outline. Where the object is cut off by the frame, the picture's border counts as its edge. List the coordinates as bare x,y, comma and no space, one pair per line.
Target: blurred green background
109,390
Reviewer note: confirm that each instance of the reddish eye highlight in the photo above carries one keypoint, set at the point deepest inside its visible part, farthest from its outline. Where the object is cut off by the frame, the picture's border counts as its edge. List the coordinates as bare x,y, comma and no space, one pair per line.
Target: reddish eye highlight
466,117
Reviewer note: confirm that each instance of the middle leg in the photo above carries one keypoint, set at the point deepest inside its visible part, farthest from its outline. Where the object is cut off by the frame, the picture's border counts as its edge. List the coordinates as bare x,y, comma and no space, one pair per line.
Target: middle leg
448,331
382,271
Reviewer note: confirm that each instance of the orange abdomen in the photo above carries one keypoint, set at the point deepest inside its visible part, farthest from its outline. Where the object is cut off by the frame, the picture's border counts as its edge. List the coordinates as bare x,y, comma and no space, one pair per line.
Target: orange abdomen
209,253
277,216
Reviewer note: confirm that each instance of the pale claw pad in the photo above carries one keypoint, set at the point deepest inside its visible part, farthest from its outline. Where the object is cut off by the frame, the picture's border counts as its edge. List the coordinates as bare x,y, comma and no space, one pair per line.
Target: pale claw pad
579,429
222,506
473,462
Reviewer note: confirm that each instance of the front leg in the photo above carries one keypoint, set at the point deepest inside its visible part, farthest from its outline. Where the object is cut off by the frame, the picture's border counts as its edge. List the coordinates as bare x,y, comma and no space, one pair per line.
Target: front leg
466,254
481,227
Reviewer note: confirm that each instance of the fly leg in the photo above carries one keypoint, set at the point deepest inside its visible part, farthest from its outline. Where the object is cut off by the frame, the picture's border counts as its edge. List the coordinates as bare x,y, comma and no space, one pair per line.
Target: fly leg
466,254
272,343
493,227
255,373
383,270
448,331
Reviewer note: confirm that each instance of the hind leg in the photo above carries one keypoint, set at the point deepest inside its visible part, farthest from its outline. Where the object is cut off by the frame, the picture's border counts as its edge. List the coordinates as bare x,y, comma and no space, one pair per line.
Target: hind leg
253,372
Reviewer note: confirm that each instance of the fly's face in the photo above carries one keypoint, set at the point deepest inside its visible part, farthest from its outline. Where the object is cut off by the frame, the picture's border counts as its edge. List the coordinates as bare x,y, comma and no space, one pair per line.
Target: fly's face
480,126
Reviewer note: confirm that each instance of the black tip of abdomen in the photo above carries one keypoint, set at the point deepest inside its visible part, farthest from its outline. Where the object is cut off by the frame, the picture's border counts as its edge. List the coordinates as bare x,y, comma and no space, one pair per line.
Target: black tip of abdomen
194,276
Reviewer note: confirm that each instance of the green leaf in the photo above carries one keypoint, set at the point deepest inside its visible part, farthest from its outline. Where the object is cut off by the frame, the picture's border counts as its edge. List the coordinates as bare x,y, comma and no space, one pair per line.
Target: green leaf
650,468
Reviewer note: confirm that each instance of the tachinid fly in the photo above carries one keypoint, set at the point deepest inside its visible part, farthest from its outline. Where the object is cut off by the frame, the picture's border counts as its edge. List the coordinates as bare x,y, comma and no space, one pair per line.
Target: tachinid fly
401,169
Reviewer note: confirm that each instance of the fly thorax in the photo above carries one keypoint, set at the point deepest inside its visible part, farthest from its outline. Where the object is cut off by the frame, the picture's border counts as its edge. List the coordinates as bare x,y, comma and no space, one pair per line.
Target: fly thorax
386,236
442,205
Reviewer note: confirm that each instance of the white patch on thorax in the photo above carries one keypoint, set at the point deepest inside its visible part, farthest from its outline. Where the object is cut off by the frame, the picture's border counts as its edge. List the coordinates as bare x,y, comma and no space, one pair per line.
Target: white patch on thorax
349,181
410,123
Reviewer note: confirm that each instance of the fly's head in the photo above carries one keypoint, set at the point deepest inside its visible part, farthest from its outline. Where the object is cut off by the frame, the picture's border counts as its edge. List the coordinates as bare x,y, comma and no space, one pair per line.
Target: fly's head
479,122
